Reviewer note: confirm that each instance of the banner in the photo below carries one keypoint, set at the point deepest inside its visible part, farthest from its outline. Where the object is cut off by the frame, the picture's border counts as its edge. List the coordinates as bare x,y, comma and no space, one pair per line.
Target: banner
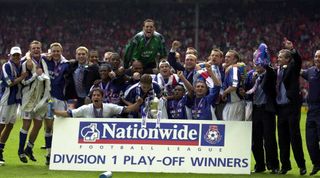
178,146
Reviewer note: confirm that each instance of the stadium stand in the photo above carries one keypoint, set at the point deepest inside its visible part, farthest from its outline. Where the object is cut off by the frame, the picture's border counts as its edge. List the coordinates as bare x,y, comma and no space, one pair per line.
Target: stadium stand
108,26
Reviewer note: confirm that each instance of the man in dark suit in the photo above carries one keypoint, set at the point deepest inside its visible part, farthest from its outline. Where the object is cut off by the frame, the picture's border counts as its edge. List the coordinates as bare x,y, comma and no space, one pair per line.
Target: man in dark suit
263,92
289,104
80,77
91,73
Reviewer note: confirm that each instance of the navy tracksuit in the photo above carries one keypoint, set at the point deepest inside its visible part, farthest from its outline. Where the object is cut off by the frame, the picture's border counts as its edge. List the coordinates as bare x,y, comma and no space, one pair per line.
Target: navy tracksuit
312,75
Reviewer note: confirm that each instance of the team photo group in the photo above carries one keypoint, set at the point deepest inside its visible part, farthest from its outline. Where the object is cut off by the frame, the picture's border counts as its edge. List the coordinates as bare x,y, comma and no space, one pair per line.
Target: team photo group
150,81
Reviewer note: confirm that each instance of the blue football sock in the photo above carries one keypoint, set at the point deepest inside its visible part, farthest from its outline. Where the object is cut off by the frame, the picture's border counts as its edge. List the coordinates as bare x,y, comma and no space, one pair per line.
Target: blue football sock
48,139
22,141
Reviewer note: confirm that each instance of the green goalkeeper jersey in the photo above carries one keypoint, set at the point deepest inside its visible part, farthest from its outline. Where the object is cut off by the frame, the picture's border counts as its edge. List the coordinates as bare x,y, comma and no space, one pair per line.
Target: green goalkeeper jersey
146,51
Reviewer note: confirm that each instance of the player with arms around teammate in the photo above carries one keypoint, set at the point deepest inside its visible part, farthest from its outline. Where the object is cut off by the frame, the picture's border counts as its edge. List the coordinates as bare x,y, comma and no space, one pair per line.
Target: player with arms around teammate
35,93
10,95
58,67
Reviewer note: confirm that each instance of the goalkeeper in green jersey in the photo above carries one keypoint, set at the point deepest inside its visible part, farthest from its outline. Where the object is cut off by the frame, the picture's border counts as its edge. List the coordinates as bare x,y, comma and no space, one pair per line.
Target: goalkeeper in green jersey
147,46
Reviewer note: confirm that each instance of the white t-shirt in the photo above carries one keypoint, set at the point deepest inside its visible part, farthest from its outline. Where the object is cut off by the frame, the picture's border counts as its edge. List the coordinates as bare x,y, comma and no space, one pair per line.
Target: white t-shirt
87,111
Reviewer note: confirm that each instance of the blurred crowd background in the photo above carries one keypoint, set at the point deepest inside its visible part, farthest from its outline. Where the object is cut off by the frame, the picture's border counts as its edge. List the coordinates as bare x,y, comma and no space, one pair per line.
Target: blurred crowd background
108,25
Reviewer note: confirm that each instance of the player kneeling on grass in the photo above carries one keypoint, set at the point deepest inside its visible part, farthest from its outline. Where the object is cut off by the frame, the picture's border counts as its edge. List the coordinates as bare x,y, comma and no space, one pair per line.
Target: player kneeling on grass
98,109
10,96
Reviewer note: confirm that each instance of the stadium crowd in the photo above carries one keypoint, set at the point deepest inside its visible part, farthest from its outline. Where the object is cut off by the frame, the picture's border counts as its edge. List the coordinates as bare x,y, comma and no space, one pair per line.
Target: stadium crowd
107,26
243,70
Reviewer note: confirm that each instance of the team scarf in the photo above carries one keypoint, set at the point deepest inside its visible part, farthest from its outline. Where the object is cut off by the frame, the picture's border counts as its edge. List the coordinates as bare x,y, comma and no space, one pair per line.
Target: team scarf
203,74
172,81
33,81
256,83
260,56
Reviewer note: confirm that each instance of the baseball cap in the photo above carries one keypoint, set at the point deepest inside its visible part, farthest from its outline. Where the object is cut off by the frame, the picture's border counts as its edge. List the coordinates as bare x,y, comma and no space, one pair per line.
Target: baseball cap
15,50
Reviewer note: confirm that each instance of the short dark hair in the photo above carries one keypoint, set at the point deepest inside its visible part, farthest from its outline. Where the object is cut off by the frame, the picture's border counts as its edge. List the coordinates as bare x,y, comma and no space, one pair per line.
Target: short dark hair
180,85
148,20
287,53
236,54
135,60
96,89
105,67
35,42
93,51
201,80
115,56
192,50
146,79
218,51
